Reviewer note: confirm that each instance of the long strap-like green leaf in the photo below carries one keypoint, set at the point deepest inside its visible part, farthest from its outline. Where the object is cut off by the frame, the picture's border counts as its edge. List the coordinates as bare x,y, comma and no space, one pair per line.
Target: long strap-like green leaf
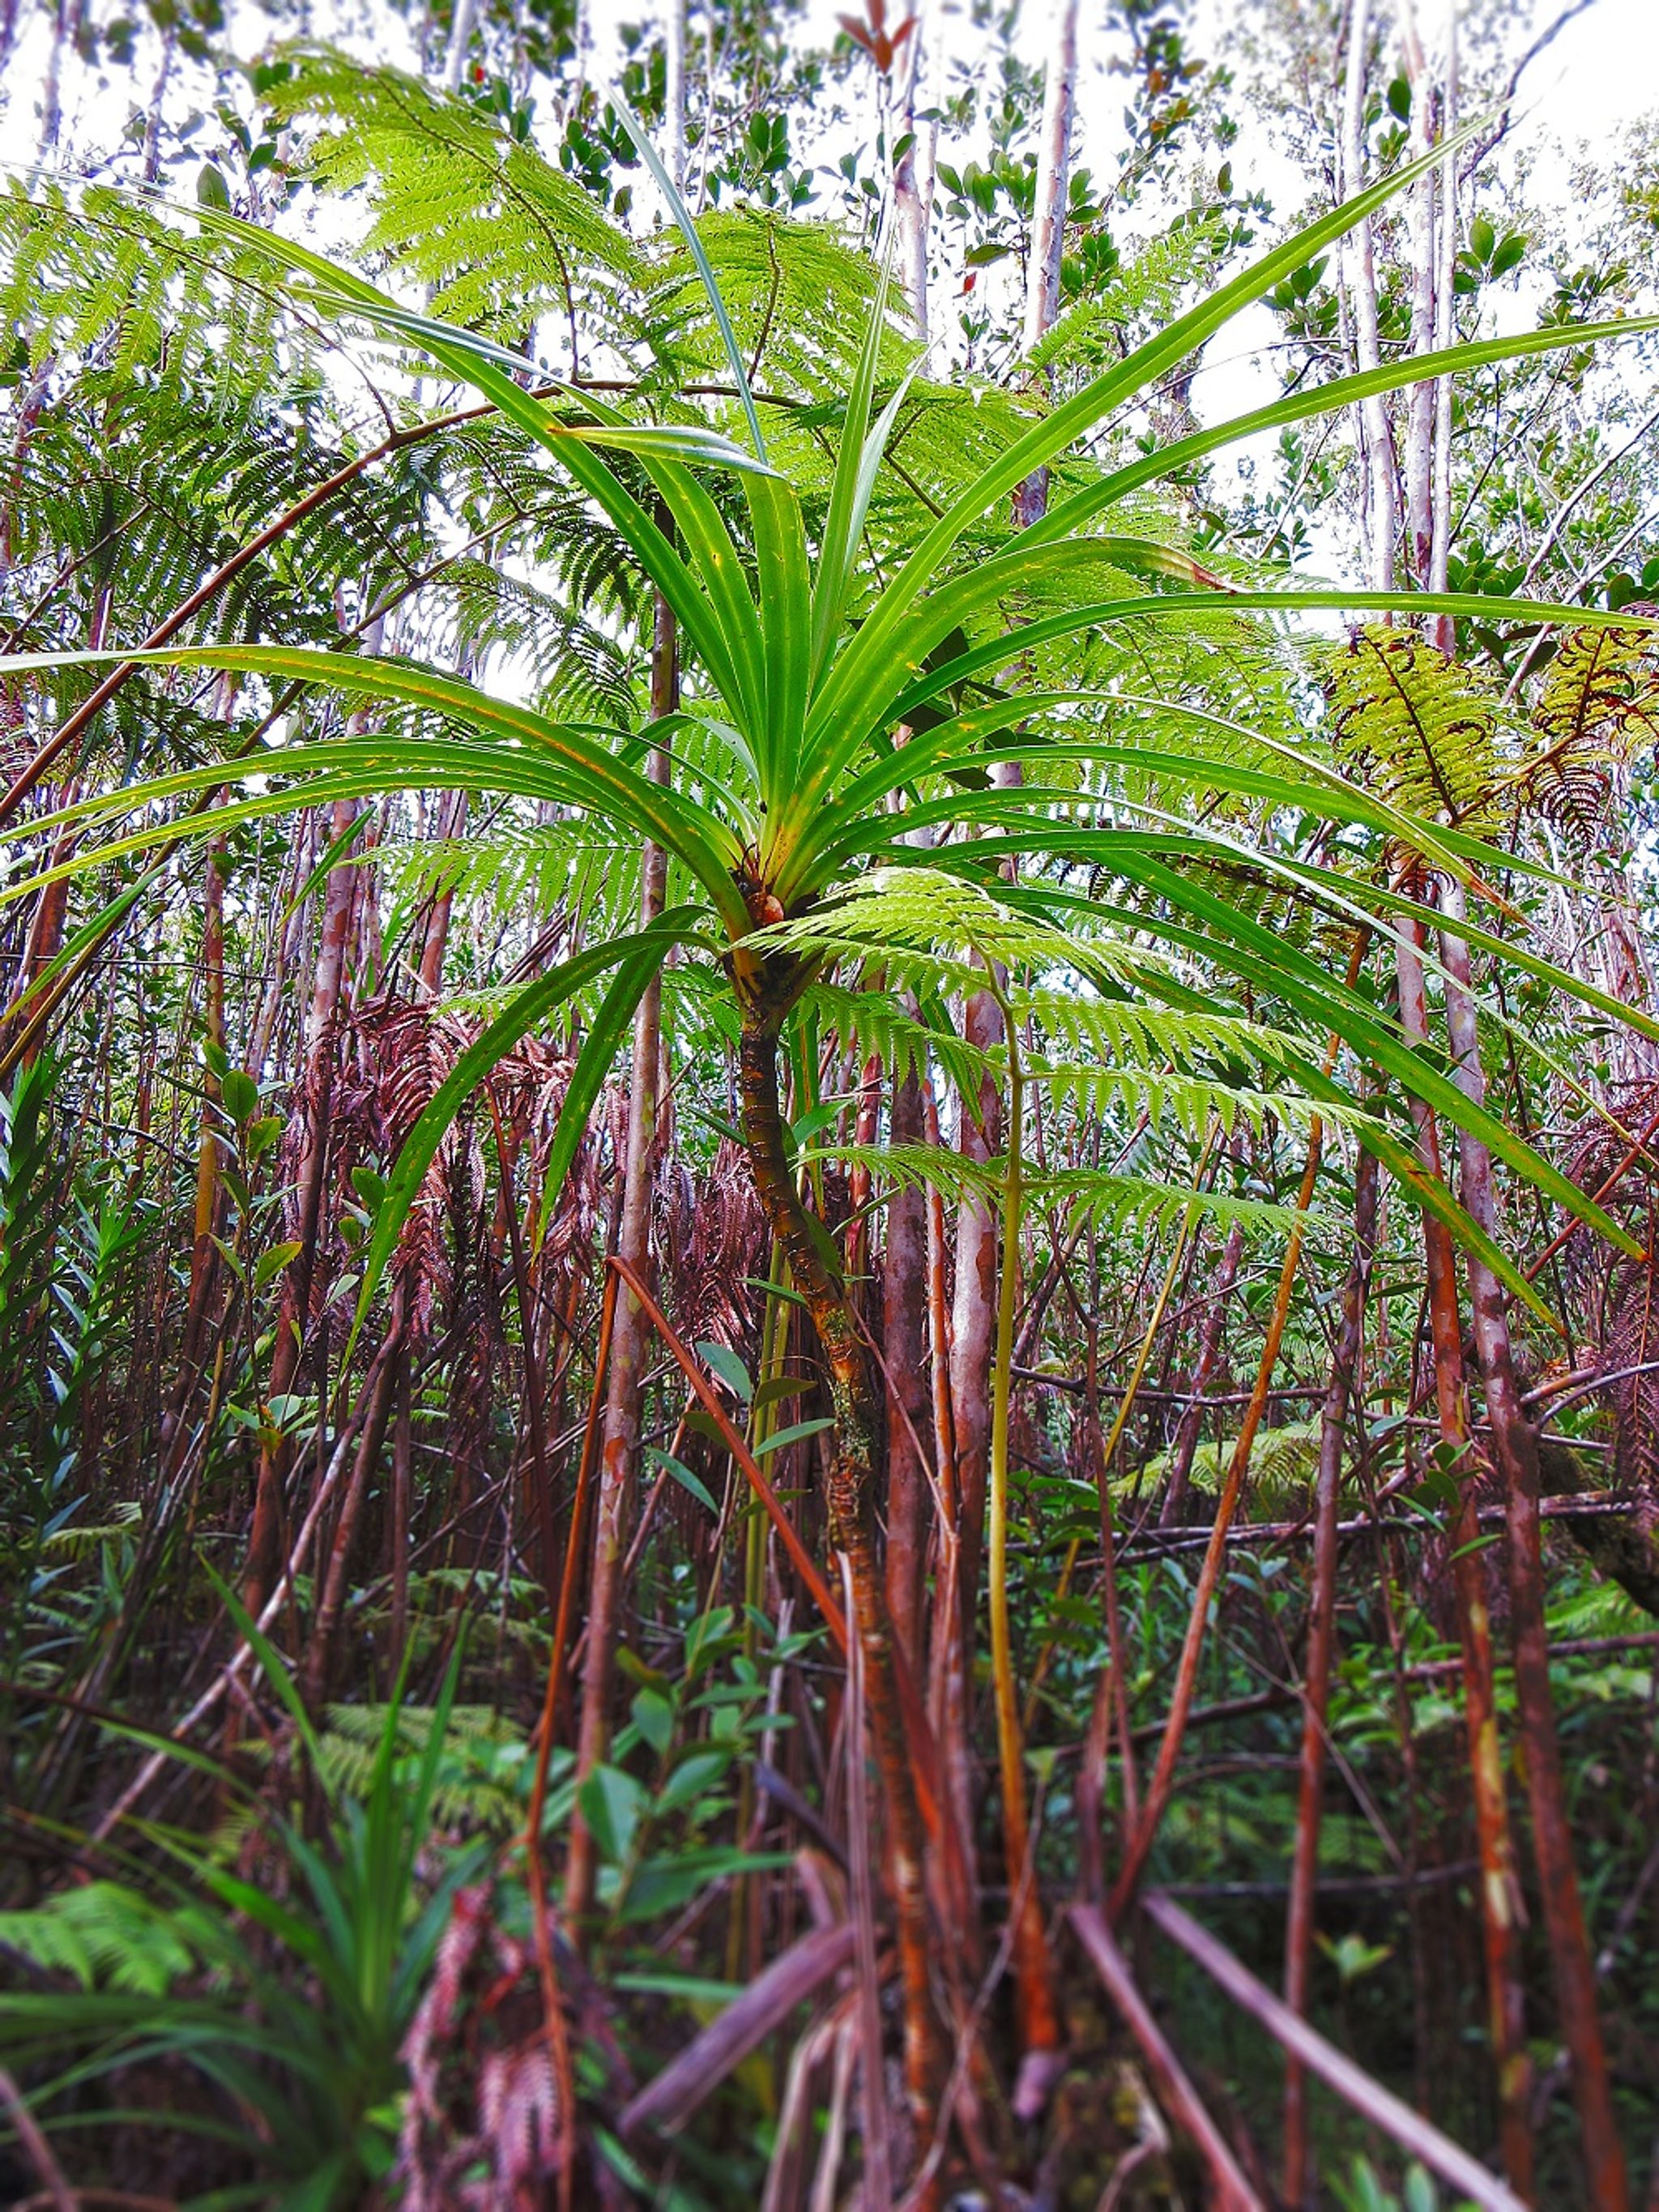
637,959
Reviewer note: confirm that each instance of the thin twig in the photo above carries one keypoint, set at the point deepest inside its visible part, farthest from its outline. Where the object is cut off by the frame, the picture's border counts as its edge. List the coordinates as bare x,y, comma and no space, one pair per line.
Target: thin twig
38,2151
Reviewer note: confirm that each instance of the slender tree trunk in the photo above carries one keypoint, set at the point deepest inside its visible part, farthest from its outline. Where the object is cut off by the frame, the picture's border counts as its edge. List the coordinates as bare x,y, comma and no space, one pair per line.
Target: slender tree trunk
1053,174
1423,220
947,1659
1176,1496
973,1320
914,171
65,28
157,102
1049,217
1376,438
850,1481
673,121
904,1348
1514,1446
1443,629
1500,1888
461,26
1339,1392
630,1335
435,934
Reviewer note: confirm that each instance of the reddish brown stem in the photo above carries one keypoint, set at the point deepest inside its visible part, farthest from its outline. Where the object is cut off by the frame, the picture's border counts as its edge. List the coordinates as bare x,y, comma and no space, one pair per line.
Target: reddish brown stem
1515,1454
850,1476
1500,1889
1162,1786
904,1274
1228,2191
1321,1641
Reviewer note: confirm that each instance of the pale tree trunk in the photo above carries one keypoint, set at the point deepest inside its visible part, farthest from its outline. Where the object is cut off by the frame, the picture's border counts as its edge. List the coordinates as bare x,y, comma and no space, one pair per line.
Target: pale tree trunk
631,1336
66,26
434,931
1379,505
1053,177
460,41
1434,252
1048,218
1423,211
1442,628
673,126
158,98
914,171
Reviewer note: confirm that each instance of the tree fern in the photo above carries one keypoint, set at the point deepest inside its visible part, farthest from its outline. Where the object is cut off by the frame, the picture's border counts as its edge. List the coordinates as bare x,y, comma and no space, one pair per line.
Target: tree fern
105,1936
1112,1205
450,189
1597,708
1424,730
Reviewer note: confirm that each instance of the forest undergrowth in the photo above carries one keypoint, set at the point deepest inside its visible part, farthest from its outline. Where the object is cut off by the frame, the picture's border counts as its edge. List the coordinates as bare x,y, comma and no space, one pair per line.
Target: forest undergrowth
827,1185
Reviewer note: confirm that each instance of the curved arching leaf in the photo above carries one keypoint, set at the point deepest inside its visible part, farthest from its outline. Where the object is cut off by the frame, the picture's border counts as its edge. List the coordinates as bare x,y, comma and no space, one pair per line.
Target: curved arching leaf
637,958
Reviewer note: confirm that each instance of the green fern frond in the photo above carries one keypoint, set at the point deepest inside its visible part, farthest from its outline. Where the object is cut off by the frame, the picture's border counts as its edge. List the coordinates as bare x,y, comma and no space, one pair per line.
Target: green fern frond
1108,1030
918,1167
894,912
1121,1204
870,1023
498,234
1422,729
1191,1101
104,1935
1115,1204
1283,1462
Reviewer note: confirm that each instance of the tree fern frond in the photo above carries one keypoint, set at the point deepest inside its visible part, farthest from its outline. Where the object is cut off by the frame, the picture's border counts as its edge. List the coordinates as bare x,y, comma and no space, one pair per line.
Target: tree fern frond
870,1023
1110,1030
1422,729
1121,1204
1191,1101
104,1935
1597,708
1282,1461
917,910
497,233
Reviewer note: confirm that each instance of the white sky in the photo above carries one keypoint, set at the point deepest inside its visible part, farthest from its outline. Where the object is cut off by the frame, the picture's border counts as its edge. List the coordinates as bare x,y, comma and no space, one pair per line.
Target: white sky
1598,74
